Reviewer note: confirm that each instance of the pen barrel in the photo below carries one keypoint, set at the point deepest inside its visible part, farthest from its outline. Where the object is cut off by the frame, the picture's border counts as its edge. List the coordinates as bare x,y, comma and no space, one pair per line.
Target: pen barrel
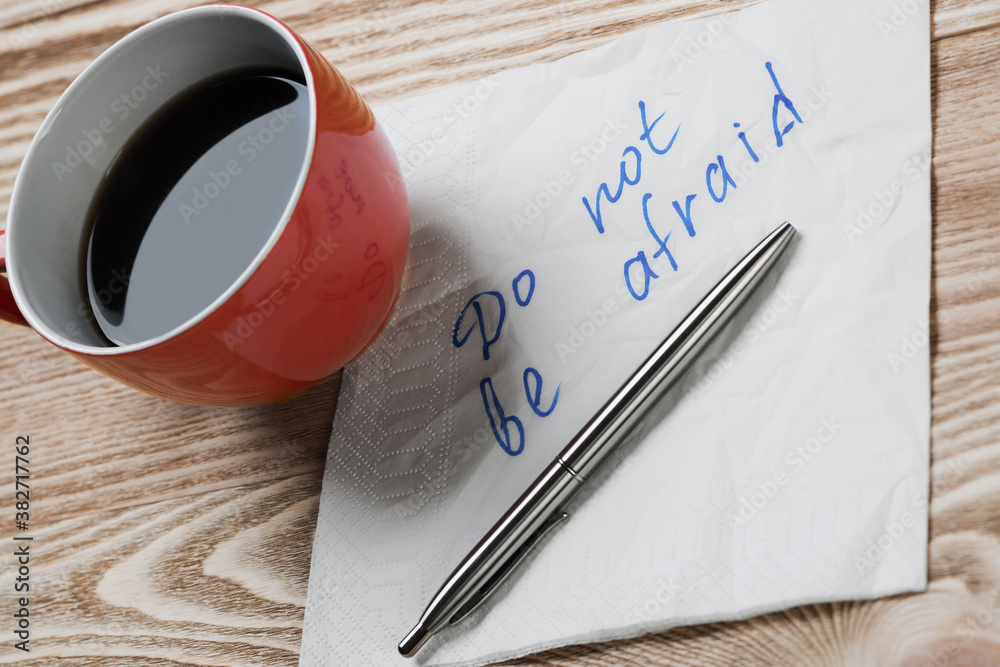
535,511
595,443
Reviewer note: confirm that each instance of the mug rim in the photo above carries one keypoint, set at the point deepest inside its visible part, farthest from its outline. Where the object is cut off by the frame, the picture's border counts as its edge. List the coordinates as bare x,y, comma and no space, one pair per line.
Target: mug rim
80,82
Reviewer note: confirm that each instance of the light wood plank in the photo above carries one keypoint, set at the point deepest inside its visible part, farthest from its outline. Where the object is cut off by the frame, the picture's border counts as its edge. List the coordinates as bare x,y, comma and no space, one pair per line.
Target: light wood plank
210,579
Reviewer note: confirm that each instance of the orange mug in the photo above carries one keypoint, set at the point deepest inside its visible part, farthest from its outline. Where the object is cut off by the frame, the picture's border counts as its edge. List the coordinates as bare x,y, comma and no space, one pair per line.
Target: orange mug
317,292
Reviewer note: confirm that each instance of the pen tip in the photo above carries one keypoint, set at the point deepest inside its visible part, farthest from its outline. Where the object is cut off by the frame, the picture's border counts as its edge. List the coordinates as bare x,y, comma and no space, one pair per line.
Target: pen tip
413,641
780,237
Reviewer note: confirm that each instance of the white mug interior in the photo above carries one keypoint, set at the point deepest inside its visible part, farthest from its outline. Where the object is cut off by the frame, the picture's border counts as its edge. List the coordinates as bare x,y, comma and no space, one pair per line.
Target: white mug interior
71,152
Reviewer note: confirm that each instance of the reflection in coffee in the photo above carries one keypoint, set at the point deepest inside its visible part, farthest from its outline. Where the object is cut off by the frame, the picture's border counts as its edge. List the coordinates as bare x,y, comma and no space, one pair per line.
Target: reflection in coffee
192,199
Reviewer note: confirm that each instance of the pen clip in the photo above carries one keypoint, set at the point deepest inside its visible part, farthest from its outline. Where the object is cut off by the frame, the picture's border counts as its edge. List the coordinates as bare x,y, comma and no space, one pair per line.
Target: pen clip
498,577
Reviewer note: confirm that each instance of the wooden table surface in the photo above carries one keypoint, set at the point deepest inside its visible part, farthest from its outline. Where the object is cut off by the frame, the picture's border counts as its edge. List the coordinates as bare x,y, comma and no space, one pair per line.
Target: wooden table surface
167,534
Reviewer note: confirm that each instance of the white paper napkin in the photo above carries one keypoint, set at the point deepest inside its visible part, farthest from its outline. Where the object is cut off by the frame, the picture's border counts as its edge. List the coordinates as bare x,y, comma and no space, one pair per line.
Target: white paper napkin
792,465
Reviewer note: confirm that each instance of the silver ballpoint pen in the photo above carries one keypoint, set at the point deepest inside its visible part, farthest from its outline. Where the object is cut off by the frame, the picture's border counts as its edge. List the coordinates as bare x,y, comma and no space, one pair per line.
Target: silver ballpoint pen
541,506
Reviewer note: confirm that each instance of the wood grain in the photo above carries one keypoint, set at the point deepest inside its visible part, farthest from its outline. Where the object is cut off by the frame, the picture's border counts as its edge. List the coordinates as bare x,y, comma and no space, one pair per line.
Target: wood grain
170,535
208,579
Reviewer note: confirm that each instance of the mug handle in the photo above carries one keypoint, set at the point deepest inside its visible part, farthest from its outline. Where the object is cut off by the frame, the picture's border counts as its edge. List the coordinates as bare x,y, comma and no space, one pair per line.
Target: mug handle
8,308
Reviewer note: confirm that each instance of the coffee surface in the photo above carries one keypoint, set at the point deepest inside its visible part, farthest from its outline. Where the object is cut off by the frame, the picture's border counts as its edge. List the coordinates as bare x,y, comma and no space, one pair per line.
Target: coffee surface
192,199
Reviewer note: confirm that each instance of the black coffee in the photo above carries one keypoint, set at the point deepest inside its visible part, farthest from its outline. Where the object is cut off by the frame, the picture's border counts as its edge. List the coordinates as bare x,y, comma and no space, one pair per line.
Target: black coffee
191,200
